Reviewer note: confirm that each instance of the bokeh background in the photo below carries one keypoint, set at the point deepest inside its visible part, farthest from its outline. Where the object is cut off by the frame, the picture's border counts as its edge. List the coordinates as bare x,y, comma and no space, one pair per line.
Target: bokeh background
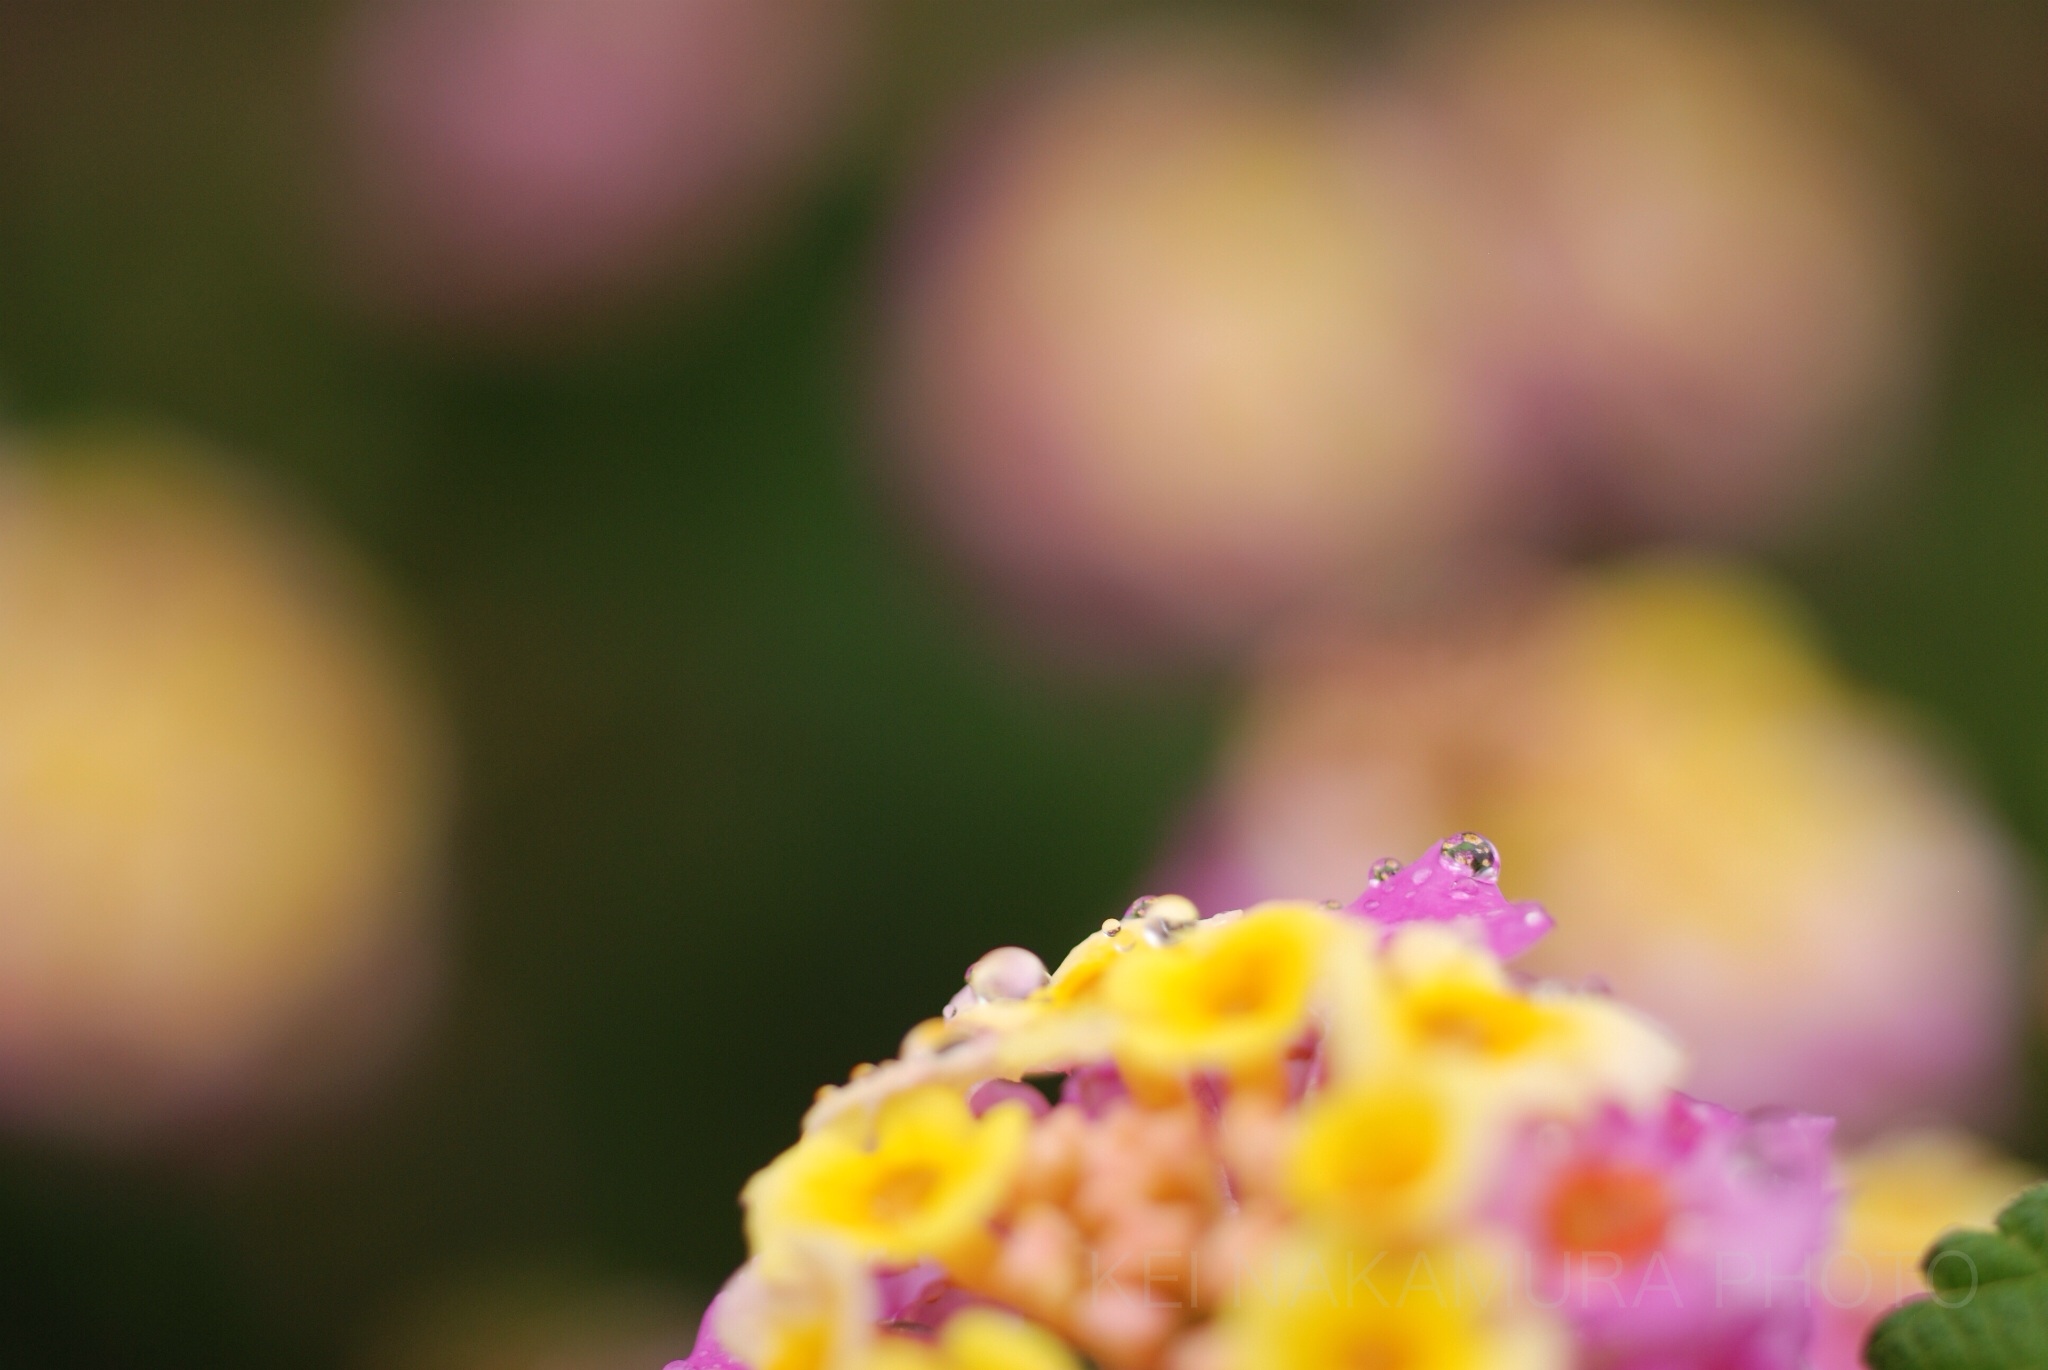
566,565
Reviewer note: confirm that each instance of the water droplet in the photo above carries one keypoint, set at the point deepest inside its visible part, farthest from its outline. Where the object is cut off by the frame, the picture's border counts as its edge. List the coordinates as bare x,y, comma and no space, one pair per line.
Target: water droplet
1470,854
1166,918
1006,973
1111,927
1141,906
1333,905
1383,870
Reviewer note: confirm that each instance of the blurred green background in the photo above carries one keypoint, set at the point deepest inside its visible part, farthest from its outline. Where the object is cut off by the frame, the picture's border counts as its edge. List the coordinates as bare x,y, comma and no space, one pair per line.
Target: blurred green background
744,782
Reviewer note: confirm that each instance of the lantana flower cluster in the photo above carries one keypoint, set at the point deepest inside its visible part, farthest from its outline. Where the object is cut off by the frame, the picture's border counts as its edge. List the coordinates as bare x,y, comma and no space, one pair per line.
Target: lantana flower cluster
1295,1135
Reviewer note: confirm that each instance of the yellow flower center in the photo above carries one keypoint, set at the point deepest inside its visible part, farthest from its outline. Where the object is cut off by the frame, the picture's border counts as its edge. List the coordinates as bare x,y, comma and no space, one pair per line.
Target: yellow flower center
1394,1143
897,1194
1379,1349
1392,1156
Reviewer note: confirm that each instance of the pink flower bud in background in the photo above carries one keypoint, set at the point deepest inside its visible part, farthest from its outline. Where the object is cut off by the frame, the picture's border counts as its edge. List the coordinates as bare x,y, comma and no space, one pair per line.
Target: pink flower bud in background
222,802
1754,852
1904,1190
512,161
1169,351
1715,295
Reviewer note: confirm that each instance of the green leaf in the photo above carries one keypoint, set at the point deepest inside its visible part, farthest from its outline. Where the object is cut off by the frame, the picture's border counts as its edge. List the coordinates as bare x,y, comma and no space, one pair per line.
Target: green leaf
1989,1308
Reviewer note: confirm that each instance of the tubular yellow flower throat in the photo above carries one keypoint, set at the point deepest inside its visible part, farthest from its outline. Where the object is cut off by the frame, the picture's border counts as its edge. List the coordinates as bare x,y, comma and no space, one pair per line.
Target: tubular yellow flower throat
1465,1016
924,1187
1391,1155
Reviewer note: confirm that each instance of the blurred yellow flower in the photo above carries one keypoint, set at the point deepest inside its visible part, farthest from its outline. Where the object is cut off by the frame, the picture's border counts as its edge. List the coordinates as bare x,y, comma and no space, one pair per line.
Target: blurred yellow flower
1394,1155
923,1186
1903,1191
223,792
1827,916
1451,1002
978,1339
1431,1309
807,1303
1743,847
1233,997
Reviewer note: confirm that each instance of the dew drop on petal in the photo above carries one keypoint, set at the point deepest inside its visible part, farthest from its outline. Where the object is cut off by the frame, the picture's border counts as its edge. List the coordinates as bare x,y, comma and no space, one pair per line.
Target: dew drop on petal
1006,973
1166,918
1470,854
1383,870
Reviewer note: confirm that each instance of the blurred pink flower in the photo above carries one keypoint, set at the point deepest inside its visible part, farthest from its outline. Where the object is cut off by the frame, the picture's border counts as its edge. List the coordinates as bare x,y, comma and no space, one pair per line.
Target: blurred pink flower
509,159
1678,1240
1751,850
1713,288
1169,354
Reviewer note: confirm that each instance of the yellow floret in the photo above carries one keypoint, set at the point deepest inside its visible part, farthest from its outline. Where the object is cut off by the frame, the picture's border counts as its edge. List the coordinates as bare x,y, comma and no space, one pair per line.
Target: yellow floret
1397,1155
809,1304
1405,1310
1079,976
924,1186
983,1340
1232,998
1452,1004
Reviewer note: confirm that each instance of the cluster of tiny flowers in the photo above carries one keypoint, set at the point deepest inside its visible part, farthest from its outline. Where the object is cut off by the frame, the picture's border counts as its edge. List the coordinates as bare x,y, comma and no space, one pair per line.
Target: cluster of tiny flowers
1282,1138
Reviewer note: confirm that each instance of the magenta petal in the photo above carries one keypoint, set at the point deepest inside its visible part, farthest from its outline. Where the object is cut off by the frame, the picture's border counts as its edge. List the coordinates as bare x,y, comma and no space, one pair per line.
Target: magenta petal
1094,1089
920,1299
1433,889
1752,1201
